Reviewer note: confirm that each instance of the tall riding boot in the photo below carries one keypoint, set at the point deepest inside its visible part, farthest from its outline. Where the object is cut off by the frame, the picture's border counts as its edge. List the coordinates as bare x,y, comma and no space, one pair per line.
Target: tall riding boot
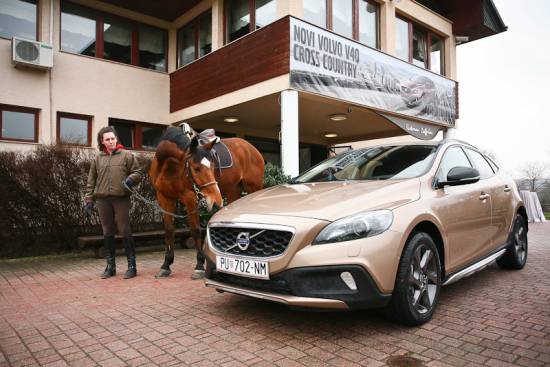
130,248
110,270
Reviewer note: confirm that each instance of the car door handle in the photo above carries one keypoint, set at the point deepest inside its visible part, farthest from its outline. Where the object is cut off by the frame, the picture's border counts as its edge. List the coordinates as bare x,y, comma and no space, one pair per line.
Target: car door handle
483,196
507,188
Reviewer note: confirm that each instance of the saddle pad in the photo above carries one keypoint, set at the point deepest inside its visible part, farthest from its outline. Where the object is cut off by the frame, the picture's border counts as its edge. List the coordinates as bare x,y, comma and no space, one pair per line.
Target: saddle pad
225,159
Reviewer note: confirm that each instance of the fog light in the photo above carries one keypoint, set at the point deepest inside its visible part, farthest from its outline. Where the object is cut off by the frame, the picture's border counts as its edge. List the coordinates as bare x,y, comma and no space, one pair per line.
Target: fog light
348,279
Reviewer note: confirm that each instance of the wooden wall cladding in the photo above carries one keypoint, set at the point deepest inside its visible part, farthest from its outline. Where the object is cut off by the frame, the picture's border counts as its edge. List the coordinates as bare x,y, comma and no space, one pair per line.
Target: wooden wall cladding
259,56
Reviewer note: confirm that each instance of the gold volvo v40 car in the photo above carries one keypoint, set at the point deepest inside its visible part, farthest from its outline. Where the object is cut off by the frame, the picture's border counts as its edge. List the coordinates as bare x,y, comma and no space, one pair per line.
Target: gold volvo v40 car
378,227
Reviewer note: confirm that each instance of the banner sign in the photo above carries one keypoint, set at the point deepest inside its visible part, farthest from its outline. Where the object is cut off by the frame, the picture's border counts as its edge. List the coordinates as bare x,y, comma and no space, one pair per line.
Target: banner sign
333,66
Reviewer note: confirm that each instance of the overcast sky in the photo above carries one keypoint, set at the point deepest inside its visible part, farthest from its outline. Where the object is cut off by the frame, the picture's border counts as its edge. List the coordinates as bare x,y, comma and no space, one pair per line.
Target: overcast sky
505,87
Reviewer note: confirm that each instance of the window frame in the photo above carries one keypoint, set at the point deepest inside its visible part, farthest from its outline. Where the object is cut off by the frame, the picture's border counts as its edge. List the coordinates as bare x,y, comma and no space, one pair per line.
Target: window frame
471,157
99,36
137,132
427,64
355,20
37,31
195,24
30,110
88,118
251,25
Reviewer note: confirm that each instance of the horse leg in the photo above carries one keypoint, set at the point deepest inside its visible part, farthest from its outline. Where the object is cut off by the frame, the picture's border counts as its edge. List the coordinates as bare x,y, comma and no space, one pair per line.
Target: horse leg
168,205
191,206
233,193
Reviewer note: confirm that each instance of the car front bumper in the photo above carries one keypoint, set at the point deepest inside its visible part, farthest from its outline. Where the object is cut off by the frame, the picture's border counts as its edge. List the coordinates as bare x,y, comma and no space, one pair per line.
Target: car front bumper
315,287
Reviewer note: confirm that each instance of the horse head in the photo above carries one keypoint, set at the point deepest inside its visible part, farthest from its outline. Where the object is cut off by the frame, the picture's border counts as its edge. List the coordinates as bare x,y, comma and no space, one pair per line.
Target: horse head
200,166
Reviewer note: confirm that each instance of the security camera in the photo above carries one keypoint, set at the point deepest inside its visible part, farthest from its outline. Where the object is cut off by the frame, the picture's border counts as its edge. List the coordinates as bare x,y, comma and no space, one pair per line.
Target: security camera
461,39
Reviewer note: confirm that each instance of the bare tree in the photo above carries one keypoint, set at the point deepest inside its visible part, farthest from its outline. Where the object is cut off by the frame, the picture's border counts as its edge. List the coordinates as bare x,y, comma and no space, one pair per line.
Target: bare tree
534,175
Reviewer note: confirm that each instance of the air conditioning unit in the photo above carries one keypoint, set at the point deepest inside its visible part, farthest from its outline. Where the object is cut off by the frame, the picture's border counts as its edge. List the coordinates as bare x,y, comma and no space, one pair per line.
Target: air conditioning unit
31,53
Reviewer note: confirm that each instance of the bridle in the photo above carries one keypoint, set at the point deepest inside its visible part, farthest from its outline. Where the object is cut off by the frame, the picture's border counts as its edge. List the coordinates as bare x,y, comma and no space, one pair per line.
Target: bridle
196,187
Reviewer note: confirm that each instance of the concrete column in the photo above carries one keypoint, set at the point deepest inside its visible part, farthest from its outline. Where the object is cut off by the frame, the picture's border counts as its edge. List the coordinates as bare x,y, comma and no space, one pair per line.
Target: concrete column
289,7
172,49
217,24
387,27
450,57
290,139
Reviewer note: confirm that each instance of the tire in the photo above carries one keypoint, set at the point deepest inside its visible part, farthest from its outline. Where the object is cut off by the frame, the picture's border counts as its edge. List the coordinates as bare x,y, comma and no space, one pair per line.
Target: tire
515,256
418,282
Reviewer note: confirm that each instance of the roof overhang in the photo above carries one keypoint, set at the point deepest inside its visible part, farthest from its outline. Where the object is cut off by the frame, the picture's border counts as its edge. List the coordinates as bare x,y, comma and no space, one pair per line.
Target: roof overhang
474,19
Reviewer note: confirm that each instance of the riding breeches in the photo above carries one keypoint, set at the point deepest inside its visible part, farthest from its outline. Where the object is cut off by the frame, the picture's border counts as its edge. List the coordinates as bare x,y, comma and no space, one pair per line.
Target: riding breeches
114,213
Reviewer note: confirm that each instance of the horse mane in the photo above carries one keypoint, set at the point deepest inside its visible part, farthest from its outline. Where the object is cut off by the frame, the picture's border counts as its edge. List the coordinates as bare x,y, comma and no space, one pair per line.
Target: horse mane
168,156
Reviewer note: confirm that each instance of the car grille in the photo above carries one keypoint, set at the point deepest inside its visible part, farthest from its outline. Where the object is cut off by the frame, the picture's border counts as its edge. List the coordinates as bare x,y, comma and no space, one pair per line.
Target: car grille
262,242
274,285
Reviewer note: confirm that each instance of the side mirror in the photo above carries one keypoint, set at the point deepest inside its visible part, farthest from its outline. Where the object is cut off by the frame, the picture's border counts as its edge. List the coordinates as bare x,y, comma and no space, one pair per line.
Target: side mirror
460,176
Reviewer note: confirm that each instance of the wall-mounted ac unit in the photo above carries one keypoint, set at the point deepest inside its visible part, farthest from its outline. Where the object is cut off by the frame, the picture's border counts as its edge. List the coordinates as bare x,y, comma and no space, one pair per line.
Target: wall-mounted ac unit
31,53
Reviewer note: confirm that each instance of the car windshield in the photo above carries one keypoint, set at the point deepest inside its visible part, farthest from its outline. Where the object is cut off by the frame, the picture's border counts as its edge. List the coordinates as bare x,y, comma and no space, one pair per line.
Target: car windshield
379,163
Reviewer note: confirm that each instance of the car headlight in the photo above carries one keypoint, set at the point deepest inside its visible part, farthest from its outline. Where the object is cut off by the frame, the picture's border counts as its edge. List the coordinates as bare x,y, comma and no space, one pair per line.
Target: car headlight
356,226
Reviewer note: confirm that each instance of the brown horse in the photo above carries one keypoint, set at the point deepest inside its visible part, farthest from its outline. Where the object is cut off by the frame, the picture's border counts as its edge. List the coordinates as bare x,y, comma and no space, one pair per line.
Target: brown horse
183,175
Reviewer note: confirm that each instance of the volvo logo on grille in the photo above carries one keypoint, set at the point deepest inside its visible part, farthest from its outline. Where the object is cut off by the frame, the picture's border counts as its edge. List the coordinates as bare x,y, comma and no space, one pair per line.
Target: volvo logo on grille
243,241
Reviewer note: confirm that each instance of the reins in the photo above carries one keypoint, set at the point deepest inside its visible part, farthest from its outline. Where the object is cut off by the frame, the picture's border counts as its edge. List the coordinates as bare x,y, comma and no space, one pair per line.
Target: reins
155,205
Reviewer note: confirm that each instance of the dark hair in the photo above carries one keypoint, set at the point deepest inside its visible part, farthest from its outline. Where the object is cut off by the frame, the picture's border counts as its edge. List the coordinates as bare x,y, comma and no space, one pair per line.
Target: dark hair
106,129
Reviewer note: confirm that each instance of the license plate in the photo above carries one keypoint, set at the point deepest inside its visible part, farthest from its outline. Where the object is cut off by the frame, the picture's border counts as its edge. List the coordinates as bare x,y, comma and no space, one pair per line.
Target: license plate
249,268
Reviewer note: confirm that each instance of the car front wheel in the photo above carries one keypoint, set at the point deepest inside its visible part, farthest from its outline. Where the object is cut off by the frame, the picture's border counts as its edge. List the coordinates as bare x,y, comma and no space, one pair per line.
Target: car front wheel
418,281
515,256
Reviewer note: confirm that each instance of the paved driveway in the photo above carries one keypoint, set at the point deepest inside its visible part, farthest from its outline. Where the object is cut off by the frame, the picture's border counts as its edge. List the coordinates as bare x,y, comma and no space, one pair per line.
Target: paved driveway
58,312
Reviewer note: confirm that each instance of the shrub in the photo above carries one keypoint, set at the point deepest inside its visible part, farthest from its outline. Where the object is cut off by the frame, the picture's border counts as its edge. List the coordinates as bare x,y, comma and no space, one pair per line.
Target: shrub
42,198
274,175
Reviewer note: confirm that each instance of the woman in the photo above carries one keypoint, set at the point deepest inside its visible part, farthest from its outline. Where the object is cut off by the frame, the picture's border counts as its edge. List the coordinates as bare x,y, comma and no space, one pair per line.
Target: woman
110,169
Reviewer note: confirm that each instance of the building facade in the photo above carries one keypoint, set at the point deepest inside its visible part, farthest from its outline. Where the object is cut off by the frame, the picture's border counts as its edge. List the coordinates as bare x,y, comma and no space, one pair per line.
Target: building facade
292,76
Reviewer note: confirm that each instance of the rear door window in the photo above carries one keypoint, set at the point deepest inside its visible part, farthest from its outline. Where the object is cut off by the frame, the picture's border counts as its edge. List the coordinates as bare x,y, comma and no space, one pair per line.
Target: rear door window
481,164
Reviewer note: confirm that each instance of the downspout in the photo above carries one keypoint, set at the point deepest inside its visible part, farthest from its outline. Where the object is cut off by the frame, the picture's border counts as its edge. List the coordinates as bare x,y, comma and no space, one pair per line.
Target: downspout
52,117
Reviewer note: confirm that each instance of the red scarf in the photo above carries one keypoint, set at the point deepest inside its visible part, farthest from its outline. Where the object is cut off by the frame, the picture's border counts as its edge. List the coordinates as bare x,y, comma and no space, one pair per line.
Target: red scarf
118,147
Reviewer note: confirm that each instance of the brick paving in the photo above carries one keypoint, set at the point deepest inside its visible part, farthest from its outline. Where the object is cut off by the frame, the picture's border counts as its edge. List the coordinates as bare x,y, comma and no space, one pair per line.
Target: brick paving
57,312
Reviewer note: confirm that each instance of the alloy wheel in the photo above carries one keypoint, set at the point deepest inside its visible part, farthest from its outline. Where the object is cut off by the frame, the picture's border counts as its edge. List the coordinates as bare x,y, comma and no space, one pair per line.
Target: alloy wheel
520,244
423,279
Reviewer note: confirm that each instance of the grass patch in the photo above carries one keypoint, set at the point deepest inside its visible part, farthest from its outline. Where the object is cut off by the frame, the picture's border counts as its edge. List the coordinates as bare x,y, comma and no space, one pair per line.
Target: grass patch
547,215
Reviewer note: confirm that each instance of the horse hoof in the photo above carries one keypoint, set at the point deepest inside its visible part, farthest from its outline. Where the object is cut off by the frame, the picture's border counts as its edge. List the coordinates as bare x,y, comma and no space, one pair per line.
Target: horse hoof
163,273
198,274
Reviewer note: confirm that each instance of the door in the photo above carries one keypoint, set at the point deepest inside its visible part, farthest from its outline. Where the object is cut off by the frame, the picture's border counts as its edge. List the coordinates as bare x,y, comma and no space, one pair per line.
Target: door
500,195
464,211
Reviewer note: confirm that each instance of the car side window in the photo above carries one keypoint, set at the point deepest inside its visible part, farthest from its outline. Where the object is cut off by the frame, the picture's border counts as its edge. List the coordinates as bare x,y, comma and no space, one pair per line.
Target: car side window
485,170
454,157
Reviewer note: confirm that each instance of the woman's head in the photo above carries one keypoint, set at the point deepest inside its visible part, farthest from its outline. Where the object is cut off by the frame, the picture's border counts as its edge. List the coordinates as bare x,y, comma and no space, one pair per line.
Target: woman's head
107,139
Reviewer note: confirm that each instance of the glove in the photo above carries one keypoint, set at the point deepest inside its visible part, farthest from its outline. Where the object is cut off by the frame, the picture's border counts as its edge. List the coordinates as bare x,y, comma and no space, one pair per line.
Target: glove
129,182
89,208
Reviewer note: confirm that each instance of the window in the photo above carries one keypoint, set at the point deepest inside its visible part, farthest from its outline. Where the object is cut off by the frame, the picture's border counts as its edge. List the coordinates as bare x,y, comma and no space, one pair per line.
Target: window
419,46
356,19
195,39
89,32
481,164
244,16
152,48
368,23
315,11
454,157
18,123
342,14
74,129
137,135
19,18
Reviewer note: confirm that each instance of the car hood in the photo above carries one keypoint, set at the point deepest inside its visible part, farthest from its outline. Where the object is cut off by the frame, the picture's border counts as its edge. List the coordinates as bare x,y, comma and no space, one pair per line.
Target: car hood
325,200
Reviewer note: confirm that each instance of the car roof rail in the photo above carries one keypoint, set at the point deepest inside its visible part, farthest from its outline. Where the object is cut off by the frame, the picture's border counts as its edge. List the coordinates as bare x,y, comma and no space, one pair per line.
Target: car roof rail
445,141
